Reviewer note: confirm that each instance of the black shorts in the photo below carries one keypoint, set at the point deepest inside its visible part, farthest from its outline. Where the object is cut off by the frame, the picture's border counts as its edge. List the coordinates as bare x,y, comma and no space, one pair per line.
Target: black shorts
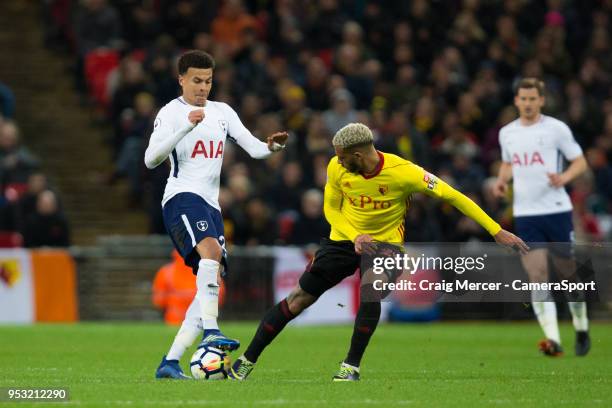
333,262
336,260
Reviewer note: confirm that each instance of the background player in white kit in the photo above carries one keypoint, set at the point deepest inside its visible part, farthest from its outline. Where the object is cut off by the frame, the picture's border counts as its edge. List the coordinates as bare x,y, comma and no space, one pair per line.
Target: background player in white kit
192,131
533,148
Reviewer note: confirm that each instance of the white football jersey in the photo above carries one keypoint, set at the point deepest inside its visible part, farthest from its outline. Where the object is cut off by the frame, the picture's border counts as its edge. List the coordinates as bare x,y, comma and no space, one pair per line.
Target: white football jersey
534,151
196,153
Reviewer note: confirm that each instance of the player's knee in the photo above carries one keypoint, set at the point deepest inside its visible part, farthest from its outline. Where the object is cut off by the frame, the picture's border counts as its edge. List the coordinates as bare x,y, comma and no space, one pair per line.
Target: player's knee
209,248
299,300
538,275
537,272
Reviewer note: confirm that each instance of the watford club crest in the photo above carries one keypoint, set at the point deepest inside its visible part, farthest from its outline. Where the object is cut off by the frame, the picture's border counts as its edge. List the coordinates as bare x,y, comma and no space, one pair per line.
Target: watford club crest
383,189
9,273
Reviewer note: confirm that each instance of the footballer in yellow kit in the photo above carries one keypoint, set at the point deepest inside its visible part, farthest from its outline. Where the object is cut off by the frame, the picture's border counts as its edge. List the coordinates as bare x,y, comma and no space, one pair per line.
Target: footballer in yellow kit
376,204
366,198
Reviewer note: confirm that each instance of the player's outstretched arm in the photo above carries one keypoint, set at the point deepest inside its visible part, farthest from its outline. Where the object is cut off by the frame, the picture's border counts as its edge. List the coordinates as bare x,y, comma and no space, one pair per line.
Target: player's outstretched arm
164,138
510,240
472,210
245,139
433,186
277,141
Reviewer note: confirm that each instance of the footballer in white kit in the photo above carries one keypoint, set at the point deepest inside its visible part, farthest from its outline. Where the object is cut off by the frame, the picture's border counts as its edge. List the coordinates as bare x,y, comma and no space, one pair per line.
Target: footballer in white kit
192,132
534,150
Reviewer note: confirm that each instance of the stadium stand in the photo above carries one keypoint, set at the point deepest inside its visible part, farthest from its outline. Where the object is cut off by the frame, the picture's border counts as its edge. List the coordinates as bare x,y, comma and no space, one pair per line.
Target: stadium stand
433,79
30,213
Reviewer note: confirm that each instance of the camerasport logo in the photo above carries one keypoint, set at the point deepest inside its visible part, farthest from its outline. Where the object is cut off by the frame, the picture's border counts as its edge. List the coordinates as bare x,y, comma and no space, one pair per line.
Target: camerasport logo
9,273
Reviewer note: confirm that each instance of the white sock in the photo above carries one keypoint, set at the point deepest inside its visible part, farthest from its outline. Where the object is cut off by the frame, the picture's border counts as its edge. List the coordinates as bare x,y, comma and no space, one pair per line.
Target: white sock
208,292
183,340
579,315
189,331
211,324
546,312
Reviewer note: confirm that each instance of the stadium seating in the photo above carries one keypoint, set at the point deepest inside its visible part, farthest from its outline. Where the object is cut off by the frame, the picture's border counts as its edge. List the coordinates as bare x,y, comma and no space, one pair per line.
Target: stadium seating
98,66
10,239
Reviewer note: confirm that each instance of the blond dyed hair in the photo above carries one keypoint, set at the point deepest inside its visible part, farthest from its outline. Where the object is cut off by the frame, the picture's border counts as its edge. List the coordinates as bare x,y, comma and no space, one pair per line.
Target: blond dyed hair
353,134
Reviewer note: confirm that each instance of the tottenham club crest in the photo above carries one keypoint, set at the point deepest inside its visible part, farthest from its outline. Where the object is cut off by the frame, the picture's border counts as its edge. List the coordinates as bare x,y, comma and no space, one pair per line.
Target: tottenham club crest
202,225
223,125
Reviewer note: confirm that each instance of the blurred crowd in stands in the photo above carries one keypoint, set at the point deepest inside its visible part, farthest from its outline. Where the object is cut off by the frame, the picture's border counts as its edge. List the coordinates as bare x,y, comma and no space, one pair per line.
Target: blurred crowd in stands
30,213
433,79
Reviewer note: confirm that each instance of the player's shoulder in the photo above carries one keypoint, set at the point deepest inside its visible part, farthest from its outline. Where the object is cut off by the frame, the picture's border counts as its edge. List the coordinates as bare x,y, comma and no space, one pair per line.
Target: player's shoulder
401,169
222,107
333,163
507,129
393,161
509,126
554,123
334,169
172,107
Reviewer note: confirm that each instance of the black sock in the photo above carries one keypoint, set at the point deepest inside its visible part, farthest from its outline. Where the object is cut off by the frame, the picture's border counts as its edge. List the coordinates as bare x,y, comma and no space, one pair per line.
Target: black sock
365,325
272,323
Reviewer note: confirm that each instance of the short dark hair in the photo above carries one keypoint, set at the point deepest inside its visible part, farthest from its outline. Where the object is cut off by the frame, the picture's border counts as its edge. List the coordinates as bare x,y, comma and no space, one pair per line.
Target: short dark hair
195,59
530,83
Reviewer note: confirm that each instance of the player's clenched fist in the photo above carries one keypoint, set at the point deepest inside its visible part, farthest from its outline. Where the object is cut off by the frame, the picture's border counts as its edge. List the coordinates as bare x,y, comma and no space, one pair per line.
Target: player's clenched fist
196,116
364,244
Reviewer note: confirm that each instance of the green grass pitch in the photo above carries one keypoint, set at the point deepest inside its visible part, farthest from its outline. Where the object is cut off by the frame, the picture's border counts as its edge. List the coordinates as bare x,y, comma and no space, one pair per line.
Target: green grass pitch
440,364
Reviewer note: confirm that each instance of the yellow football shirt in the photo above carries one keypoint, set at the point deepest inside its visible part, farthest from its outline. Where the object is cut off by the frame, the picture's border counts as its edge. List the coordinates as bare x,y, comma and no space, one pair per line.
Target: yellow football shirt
376,205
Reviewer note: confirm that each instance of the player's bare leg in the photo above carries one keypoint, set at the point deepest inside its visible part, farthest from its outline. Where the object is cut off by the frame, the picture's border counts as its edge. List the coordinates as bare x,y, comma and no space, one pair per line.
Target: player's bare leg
208,281
536,264
271,325
566,269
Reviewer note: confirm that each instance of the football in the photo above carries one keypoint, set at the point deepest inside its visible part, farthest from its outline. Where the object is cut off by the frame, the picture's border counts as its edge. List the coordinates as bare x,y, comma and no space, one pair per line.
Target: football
209,363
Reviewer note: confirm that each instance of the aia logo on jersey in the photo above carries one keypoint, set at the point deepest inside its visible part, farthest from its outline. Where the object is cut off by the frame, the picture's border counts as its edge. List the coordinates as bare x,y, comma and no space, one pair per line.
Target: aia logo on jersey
209,151
383,189
526,159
